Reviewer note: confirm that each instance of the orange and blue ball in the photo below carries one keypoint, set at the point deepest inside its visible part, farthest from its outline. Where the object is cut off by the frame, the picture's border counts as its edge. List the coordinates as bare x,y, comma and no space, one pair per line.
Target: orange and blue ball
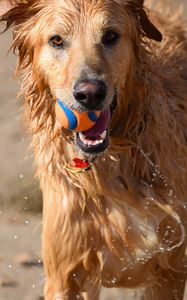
74,120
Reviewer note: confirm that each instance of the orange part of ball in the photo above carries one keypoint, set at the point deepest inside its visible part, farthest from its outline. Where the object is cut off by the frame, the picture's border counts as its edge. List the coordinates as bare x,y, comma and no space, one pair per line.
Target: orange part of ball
83,121
61,116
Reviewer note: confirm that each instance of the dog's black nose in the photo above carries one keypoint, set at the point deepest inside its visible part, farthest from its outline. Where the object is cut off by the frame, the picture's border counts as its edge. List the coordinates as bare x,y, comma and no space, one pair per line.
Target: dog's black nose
90,93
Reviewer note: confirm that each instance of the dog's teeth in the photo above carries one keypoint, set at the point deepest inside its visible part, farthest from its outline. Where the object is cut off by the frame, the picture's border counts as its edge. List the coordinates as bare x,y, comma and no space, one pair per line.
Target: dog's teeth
88,142
82,136
103,135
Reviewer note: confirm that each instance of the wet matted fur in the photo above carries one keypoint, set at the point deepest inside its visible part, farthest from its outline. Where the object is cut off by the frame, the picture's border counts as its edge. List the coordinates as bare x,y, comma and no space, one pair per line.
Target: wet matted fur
122,223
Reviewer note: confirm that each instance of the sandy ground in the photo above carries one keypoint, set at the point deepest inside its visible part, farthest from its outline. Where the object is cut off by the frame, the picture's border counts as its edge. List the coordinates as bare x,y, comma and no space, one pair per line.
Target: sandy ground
21,272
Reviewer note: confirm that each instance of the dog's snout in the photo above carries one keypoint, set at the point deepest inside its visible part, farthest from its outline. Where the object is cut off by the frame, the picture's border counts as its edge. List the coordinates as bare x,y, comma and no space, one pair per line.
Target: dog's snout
91,93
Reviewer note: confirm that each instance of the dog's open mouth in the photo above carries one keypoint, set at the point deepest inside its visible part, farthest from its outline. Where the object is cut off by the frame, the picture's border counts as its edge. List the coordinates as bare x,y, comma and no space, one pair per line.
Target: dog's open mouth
96,139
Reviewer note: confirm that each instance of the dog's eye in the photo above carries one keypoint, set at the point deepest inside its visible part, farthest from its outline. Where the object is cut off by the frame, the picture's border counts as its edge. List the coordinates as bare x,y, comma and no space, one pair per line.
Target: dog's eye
56,41
110,38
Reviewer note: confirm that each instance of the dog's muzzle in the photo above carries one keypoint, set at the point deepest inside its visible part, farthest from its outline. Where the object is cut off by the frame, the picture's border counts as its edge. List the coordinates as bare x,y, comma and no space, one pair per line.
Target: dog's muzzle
96,139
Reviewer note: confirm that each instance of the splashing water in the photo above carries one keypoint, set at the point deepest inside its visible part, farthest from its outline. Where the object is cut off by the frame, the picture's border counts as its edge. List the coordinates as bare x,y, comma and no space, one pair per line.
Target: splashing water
171,195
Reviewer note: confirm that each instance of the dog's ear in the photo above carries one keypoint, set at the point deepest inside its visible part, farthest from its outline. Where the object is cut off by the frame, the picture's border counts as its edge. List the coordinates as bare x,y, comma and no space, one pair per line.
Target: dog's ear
16,12
6,7
148,28
18,15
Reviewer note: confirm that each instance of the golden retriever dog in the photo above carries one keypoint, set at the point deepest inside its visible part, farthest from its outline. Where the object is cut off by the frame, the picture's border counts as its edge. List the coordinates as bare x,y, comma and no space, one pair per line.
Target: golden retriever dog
115,196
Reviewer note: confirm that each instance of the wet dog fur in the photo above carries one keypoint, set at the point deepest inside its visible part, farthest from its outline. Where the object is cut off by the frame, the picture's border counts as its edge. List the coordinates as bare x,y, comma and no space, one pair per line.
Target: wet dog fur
122,223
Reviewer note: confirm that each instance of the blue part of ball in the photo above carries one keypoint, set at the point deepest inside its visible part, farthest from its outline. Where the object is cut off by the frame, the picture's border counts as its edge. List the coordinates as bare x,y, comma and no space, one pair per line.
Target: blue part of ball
92,116
70,115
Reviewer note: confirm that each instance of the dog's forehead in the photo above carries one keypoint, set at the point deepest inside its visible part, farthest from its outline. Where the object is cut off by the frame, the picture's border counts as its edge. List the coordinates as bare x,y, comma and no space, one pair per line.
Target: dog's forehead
100,11
82,4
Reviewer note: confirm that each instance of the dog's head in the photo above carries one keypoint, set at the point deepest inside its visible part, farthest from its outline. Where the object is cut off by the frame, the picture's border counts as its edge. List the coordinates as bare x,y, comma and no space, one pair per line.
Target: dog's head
83,51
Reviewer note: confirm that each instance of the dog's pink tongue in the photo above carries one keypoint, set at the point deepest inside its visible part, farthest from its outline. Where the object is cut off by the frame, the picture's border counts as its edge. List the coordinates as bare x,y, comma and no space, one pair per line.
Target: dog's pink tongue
101,124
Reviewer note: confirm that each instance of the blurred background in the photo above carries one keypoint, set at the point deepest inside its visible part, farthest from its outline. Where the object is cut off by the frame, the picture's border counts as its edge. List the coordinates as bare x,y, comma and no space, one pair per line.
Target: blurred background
21,273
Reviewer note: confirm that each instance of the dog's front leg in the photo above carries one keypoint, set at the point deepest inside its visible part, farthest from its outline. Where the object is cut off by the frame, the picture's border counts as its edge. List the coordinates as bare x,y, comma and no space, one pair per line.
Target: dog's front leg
58,285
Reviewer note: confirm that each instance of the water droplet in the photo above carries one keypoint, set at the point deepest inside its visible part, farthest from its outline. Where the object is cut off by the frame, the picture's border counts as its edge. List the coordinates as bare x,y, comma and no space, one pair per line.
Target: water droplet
170,193
114,280
15,237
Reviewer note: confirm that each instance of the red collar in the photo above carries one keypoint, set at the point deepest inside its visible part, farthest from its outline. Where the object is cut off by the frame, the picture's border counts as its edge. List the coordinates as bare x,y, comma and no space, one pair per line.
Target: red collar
78,165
